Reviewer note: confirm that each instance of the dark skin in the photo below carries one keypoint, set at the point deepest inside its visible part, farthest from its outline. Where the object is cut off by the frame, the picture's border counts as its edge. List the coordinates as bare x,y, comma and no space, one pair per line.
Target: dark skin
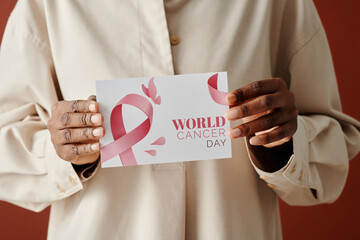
75,129
266,107
269,115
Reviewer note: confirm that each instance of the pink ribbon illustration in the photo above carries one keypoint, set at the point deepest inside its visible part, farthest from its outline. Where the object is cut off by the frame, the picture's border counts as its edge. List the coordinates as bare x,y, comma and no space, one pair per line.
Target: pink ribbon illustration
218,96
123,141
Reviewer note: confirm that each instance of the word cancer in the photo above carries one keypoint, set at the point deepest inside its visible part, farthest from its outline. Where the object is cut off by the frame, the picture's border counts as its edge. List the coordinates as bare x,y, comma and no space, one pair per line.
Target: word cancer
206,133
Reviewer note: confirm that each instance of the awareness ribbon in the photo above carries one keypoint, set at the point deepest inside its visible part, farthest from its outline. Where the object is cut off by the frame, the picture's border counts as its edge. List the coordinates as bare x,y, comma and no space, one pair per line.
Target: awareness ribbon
123,141
218,96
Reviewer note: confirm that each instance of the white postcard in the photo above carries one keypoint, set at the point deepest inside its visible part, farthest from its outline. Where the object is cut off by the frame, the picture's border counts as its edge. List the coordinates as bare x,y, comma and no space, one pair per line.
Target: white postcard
164,119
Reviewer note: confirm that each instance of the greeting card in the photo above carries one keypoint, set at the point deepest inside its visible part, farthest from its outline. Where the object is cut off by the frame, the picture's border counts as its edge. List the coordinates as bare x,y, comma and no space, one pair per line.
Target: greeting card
164,119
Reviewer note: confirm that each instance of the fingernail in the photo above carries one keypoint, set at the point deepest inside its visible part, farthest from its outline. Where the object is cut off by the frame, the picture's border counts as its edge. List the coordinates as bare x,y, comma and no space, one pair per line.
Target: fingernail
95,147
97,132
231,98
92,107
235,132
255,141
232,114
96,118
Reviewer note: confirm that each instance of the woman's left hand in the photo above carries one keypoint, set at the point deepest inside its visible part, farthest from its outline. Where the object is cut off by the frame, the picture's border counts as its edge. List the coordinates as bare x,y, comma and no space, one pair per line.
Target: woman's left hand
268,110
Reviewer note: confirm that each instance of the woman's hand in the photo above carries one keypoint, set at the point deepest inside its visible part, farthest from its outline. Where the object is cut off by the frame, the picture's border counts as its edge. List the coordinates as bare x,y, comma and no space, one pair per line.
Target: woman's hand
268,110
75,129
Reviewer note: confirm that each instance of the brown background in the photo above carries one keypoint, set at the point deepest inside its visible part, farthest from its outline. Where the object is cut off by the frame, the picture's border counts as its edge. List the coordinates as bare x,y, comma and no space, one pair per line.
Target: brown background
340,220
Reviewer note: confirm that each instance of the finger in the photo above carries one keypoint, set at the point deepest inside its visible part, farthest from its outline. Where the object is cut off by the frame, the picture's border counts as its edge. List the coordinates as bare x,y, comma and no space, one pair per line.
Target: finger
86,159
79,135
277,143
254,90
73,152
76,106
253,117
263,123
258,105
92,98
282,133
72,120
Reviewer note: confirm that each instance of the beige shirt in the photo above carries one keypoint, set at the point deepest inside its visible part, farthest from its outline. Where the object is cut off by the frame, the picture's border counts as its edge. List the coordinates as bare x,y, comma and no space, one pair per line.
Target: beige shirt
57,49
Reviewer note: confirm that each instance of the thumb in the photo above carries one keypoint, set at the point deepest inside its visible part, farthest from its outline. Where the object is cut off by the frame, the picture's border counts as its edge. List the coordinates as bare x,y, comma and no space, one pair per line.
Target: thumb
92,97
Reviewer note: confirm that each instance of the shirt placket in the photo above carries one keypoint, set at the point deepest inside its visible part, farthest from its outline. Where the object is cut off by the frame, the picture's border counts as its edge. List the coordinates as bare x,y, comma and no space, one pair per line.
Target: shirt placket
156,45
155,40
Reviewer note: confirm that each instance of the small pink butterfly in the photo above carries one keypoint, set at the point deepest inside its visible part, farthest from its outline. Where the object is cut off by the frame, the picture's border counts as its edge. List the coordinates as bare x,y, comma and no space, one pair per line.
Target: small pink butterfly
151,92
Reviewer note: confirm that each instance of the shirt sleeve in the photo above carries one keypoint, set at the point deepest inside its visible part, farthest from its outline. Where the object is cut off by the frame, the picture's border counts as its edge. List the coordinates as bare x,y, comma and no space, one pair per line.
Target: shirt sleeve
31,174
325,139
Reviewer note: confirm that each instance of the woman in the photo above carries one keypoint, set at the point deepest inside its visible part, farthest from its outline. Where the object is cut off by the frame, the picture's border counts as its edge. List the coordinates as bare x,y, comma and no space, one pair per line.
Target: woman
278,62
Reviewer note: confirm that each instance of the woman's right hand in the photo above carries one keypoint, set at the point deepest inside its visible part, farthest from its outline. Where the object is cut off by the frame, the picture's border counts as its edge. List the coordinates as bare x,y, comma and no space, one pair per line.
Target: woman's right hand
75,129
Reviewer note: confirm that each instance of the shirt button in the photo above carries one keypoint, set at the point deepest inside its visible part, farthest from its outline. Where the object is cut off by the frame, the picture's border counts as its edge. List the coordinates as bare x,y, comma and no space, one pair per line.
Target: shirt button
72,180
293,169
60,188
271,185
300,176
263,177
174,40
